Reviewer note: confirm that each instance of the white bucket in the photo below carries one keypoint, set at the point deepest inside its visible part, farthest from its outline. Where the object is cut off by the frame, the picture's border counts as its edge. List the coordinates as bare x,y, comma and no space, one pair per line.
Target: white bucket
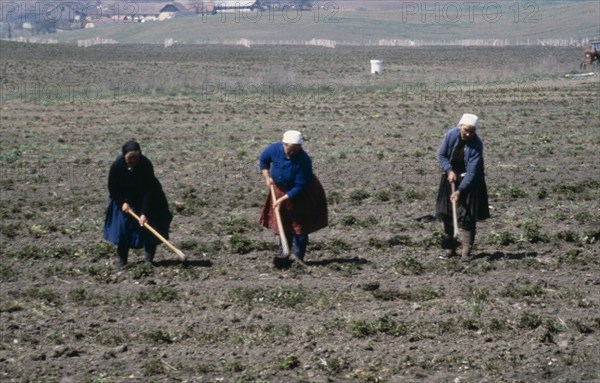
376,66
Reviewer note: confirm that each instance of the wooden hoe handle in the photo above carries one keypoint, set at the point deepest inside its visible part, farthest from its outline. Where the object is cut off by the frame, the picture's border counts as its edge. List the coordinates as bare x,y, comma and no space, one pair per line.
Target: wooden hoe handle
454,213
285,248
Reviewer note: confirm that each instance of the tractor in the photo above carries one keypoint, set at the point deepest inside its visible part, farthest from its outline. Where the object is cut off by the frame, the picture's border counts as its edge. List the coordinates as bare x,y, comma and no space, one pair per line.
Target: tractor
591,54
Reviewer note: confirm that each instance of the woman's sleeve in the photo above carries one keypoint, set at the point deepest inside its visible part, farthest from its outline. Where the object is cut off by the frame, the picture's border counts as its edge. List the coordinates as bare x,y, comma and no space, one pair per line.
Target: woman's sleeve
265,159
443,158
302,179
113,184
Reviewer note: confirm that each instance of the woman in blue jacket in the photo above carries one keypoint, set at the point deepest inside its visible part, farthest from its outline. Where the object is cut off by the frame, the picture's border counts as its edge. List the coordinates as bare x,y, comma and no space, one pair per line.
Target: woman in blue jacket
461,159
300,196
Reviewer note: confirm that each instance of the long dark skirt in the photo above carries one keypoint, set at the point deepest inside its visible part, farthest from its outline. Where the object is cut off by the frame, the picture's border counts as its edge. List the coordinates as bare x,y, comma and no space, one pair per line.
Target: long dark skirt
305,215
124,230
472,205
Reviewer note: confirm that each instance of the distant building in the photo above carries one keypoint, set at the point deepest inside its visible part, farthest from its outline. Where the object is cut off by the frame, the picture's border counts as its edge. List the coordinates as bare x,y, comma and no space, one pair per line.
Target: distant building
142,12
172,10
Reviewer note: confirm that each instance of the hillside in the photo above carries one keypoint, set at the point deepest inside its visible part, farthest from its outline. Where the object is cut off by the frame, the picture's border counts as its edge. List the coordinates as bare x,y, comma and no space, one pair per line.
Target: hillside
366,23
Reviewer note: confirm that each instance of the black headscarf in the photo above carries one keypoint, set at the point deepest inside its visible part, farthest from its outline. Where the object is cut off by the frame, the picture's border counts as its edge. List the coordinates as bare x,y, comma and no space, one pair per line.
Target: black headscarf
131,146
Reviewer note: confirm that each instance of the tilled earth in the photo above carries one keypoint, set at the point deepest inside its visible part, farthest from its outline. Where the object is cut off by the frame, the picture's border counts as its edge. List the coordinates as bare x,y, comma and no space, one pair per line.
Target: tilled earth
375,303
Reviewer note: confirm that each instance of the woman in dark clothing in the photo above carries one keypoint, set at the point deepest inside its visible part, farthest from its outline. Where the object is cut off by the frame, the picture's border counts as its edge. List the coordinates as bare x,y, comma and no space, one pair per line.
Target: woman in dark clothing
300,196
133,185
461,159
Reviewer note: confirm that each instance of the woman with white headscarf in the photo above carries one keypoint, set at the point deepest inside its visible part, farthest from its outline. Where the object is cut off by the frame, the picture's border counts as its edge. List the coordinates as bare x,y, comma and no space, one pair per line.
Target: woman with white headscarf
299,194
461,158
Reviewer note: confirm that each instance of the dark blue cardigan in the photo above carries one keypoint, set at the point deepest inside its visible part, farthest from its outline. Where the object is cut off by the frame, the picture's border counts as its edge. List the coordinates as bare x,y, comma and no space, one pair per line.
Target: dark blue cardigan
291,174
473,157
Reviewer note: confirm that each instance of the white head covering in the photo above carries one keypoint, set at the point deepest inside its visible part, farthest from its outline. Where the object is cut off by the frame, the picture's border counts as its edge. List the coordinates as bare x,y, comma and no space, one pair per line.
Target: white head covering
469,119
292,137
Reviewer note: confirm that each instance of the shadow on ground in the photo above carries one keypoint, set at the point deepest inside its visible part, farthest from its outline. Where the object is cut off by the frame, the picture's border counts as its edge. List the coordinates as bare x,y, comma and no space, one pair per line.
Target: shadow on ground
286,263
188,263
499,255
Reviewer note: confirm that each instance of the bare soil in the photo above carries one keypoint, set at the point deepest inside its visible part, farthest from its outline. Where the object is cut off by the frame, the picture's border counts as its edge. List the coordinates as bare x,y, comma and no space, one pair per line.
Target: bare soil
375,303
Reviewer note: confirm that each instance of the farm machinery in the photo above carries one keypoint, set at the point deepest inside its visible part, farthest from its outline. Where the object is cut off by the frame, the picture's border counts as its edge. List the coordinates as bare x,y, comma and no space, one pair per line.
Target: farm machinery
591,54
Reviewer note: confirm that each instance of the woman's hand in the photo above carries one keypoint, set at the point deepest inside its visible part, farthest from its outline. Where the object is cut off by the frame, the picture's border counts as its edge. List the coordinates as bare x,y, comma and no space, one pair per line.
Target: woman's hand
451,176
143,220
267,178
125,207
455,196
279,201
268,181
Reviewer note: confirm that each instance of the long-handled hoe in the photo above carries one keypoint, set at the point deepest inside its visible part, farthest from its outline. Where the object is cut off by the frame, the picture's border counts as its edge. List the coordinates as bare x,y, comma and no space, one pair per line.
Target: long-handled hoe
179,253
454,213
452,243
285,248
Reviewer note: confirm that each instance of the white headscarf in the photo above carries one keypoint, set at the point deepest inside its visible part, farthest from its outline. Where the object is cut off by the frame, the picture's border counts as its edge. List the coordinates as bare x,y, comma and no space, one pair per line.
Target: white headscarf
469,119
292,137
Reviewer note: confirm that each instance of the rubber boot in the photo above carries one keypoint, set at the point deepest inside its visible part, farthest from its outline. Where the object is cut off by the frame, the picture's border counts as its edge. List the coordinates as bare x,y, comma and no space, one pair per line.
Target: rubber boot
300,244
468,238
122,252
149,251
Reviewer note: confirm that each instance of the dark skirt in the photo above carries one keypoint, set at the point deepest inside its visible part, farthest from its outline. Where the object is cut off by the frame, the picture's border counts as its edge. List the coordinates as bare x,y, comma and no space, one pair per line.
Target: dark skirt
305,215
122,229
472,205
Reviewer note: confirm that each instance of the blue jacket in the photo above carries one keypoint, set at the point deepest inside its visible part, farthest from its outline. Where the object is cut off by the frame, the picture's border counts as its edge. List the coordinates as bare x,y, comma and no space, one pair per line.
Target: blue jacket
473,157
291,174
